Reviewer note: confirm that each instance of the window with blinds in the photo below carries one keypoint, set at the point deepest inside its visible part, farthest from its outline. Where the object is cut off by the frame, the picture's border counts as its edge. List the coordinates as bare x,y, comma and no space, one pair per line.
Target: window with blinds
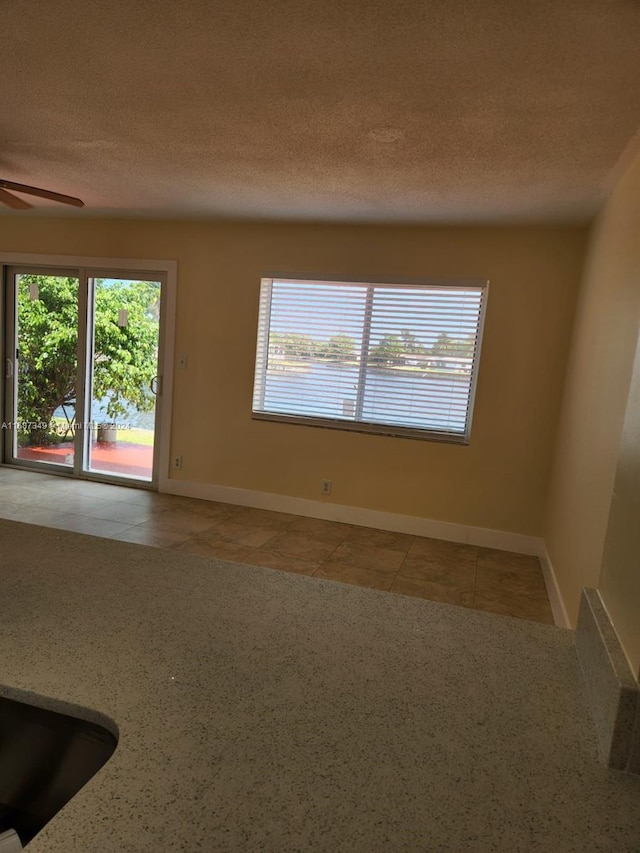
398,359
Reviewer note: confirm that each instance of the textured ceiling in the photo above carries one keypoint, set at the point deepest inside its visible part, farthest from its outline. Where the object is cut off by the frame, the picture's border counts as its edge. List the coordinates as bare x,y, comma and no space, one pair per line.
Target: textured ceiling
378,110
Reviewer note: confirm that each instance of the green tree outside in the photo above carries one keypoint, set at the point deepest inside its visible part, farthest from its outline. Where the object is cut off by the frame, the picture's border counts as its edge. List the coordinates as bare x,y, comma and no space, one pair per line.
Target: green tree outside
299,347
410,344
293,344
125,358
340,348
451,347
389,350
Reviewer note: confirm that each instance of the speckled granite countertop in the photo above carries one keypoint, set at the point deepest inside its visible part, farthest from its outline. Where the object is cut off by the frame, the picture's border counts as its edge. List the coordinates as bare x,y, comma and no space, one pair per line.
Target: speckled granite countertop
262,711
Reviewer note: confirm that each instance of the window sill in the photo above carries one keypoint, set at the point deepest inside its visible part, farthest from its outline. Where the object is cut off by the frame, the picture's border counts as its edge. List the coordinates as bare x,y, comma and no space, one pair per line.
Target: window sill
372,429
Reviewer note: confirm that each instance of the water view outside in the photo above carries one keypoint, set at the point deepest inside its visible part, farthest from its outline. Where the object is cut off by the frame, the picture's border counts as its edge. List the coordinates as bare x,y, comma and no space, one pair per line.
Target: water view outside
416,399
126,421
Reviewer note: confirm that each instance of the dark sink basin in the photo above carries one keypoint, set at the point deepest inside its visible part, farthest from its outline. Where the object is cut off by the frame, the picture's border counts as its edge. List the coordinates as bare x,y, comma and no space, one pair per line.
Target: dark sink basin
45,758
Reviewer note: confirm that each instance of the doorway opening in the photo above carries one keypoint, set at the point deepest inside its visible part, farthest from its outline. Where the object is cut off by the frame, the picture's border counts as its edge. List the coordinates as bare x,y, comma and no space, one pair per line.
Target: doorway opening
83,372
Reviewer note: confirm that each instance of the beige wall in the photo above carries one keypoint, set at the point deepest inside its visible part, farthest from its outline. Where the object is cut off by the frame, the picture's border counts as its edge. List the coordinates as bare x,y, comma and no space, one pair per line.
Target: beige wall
620,578
595,399
500,481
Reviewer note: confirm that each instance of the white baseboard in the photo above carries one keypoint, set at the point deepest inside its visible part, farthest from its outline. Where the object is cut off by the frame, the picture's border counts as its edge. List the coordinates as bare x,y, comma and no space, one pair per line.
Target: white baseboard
360,516
558,608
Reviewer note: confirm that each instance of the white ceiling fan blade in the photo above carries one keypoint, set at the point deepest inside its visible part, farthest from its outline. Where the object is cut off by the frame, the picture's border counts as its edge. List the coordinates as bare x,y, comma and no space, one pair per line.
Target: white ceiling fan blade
25,188
13,201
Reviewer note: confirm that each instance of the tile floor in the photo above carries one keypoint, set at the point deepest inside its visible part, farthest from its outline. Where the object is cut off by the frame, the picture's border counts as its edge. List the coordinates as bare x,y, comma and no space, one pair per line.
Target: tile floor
481,578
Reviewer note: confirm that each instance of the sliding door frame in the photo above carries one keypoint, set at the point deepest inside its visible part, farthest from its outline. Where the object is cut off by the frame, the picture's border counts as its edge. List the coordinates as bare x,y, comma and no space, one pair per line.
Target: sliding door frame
87,268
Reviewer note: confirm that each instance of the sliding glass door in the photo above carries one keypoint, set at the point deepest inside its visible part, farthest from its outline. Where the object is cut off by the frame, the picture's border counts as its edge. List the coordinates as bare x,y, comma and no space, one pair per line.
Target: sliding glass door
122,376
44,369
82,373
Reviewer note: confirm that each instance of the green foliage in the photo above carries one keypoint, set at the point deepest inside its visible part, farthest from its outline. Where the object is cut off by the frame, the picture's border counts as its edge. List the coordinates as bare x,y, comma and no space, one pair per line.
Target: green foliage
410,344
339,348
448,346
398,349
125,358
292,344
48,340
389,350
298,347
395,349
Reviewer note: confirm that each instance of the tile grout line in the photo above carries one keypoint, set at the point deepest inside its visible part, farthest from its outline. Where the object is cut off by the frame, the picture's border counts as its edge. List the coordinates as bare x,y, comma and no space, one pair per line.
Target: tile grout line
330,554
404,560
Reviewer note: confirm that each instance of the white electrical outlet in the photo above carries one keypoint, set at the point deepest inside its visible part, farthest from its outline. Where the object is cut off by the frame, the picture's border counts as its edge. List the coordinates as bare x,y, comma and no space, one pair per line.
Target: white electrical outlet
325,487
177,463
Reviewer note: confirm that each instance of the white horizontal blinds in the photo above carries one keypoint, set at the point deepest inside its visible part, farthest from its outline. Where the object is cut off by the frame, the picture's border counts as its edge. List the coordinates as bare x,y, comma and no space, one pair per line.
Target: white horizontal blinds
421,356
314,336
262,348
393,355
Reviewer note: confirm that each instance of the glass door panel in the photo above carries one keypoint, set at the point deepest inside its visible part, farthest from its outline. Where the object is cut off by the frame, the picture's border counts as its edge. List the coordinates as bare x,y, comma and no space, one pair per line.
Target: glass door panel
124,335
45,368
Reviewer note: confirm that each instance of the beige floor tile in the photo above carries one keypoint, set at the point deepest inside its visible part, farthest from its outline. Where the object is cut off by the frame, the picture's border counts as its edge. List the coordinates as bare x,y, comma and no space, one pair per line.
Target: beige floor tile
51,486
355,576
507,583
260,517
155,538
331,532
283,562
11,511
180,519
15,475
93,526
33,515
516,605
83,505
27,496
526,581
156,504
367,557
117,511
132,494
229,530
439,570
369,536
300,545
213,509
438,549
508,560
105,491
217,549
7,486
446,593
146,498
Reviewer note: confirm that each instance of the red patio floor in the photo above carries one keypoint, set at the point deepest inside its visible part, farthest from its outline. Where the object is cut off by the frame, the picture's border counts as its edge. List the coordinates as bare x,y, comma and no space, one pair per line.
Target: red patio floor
132,460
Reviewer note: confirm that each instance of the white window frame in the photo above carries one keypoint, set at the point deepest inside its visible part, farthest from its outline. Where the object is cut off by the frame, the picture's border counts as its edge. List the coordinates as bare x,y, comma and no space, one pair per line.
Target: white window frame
425,434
